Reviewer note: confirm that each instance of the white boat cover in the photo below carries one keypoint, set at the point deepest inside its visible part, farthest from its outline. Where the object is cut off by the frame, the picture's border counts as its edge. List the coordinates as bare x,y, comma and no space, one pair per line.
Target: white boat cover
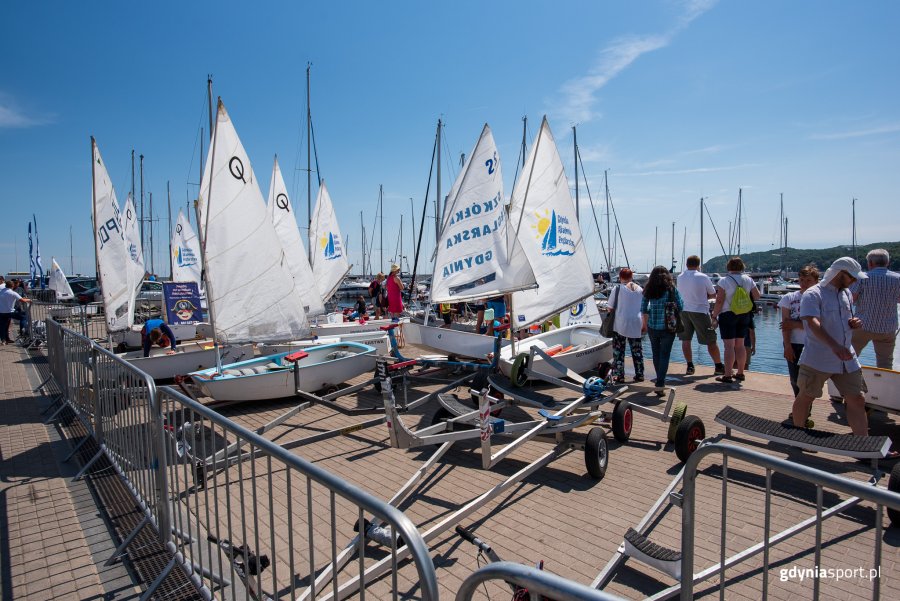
112,255
285,221
59,282
250,291
477,253
133,244
543,215
186,263
329,256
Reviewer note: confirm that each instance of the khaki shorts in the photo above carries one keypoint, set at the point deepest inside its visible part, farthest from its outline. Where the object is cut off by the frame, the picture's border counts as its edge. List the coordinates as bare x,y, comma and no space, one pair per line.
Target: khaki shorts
701,323
811,381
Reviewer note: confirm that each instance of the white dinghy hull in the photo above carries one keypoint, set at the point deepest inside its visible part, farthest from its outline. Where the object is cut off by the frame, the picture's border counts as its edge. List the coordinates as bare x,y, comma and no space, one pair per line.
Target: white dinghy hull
187,358
883,385
590,348
350,327
132,336
449,341
271,377
378,340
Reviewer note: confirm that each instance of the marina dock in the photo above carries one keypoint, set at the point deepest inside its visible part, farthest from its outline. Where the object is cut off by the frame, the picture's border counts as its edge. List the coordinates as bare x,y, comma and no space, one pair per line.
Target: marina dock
58,534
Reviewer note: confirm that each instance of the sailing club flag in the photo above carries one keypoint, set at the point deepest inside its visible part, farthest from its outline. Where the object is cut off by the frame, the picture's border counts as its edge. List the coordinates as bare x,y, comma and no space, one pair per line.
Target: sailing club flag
37,254
32,266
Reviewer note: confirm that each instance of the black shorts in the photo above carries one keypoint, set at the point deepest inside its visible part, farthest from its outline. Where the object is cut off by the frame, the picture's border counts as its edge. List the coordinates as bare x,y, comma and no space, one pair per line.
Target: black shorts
733,326
447,318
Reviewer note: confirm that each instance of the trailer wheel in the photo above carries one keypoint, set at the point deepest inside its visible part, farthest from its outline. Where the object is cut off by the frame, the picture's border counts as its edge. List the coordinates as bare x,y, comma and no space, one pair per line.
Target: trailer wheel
518,375
596,453
690,433
894,486
677,415
622,421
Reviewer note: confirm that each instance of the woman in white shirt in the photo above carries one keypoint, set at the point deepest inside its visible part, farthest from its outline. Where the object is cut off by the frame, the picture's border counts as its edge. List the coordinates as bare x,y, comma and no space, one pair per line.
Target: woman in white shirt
792,333
625,302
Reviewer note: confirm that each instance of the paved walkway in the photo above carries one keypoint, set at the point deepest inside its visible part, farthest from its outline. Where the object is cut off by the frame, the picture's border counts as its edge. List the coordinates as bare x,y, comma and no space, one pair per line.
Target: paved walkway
52,540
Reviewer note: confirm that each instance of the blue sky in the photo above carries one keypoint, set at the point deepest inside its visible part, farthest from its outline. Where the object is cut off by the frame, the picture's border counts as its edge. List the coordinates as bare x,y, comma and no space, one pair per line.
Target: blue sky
677,99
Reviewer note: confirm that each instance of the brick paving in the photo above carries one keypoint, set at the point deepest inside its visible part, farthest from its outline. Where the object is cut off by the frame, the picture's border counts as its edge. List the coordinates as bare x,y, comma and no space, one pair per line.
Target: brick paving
559,514
53,542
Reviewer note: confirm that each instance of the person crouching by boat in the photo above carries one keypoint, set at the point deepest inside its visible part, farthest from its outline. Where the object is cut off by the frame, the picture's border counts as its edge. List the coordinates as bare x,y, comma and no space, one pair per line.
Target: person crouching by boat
155,331
659,292
625,303
359,312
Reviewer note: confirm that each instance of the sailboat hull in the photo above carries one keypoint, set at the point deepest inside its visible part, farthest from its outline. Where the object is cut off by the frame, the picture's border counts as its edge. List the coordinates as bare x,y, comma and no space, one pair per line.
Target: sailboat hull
589,348
449,341
187,358
270,377
378,340
348,327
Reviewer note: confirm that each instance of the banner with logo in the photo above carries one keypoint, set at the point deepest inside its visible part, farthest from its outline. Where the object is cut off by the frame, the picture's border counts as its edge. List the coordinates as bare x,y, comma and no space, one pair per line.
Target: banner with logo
182,303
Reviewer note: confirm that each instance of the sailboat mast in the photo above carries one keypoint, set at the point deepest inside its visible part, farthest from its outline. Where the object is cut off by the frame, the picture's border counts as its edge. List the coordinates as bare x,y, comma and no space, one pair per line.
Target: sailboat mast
673,248
438,215
853,205
142,204
781,234
381,225
201,231
169,228
739,218
701,232
362,230
71,255
308,160
94,211
575,155
655,243
608,231
152,268
132,174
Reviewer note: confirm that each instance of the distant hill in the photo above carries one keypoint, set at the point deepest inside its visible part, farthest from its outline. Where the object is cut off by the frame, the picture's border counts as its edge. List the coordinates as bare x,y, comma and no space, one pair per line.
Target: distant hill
795,258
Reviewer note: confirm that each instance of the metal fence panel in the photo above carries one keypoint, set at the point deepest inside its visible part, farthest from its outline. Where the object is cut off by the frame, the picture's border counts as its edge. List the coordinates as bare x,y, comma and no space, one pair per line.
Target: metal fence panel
277,506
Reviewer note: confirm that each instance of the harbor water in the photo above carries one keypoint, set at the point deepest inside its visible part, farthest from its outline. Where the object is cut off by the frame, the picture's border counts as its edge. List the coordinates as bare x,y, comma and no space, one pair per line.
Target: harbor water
769,356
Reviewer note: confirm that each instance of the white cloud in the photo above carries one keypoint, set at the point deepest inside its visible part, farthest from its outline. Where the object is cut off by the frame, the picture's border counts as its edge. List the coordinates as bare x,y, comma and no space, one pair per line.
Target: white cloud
873,131
688,171
11,116
579,93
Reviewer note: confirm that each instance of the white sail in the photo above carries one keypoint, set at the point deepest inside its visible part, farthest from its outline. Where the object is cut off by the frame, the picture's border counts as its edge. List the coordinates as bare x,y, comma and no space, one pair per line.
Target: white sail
285,221
477,254
59,282
112,255
133,244
250,290
186,263
329,257
543,215
583,312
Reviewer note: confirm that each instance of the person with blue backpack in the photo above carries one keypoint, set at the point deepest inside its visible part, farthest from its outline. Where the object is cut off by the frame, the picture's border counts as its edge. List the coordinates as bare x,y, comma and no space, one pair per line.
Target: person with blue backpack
736,297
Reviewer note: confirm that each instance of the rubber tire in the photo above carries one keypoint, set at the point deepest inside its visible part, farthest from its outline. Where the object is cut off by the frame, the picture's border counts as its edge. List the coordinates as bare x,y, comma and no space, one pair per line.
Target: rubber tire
622,421
894,486
596,453
518,375
690,431
678,414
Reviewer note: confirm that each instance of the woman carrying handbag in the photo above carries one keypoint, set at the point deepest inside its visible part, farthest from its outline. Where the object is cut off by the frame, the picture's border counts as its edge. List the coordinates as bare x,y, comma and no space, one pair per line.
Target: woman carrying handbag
658,310
625,305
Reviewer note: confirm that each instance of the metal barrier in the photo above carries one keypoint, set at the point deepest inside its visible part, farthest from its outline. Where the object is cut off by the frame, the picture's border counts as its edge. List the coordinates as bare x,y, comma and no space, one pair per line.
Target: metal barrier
858,491
277,505
539,584
73,315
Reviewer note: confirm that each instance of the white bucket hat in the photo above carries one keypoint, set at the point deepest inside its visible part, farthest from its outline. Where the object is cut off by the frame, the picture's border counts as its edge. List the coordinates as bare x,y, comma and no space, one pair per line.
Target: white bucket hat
847,264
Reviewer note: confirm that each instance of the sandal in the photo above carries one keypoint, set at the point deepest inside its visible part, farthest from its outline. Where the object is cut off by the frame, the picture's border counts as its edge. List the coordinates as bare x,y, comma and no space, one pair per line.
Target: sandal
725,379
740,377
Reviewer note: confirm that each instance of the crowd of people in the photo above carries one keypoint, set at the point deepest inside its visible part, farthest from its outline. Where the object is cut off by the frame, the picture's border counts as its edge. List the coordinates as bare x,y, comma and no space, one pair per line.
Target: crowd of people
825,325
12,307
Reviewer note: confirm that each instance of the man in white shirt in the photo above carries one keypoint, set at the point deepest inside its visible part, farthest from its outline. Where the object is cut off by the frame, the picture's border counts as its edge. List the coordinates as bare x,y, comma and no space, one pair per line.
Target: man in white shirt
696,289
8,299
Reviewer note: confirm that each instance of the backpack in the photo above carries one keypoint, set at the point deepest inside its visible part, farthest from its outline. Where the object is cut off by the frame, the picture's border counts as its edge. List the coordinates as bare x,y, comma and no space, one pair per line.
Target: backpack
741,302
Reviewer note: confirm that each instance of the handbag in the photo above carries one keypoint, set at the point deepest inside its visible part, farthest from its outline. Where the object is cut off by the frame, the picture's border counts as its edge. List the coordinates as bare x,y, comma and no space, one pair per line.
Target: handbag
673,316
606,326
